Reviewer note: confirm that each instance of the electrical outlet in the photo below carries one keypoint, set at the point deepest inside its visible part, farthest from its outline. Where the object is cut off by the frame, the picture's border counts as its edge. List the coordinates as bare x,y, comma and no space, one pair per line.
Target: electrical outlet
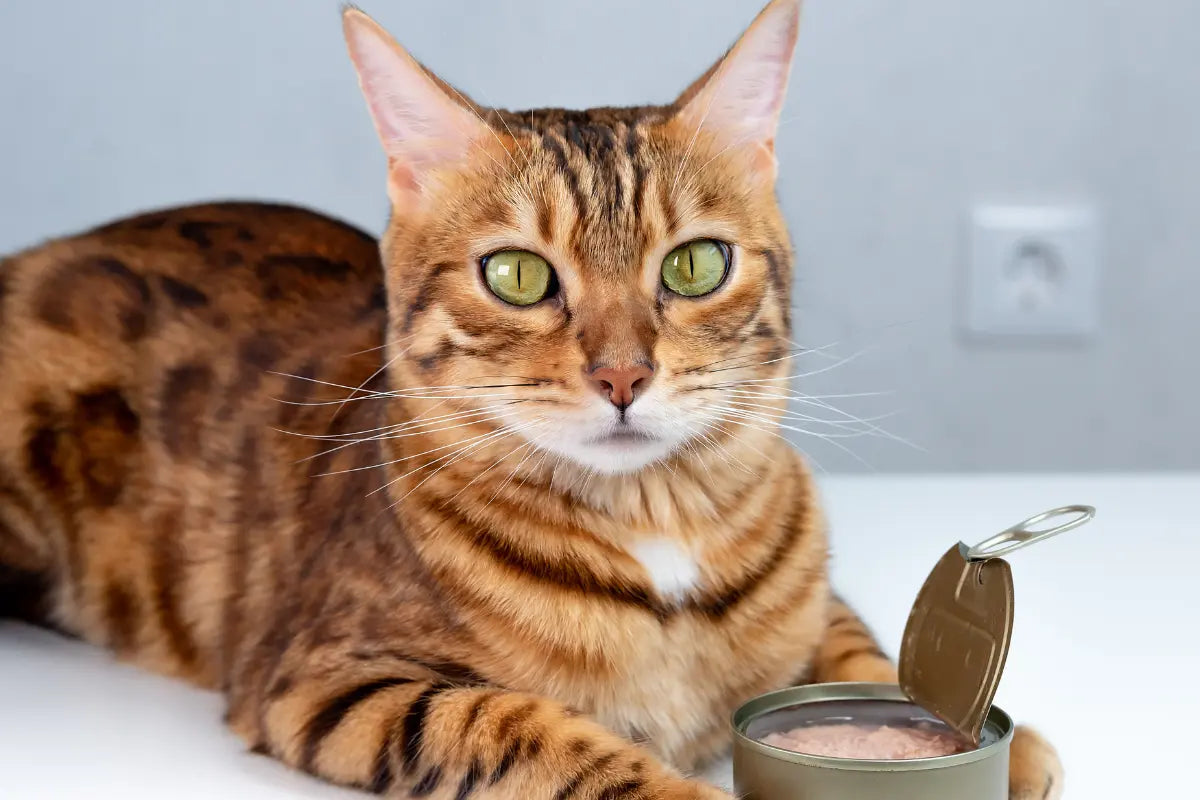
1033,272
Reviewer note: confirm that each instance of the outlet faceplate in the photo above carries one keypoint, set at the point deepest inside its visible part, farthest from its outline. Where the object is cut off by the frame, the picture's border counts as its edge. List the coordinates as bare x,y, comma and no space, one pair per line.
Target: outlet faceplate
1033,272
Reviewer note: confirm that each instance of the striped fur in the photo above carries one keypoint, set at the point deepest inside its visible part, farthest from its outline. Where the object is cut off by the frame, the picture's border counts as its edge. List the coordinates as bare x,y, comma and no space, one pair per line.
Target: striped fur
189,476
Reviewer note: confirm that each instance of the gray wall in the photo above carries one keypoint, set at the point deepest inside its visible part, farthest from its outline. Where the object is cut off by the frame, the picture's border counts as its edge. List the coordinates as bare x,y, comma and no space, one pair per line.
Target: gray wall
901,116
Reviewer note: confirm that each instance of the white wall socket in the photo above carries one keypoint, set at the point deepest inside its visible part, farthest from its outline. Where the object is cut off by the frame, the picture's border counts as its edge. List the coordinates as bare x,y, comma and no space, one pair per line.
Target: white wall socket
1033,272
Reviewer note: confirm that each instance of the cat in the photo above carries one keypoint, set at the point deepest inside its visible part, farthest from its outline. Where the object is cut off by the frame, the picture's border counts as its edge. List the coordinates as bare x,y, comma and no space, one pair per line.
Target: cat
493,508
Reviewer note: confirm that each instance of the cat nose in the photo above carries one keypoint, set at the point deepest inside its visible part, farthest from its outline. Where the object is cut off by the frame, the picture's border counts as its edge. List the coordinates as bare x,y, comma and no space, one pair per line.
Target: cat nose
621,385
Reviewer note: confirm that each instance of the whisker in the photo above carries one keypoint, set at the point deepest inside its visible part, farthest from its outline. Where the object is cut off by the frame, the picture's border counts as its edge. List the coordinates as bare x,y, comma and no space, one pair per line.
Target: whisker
732,435
729,457
841,363
769,430
390,435
783,392
415,422
768,362
831,438
387,393
714,447
537,466
318,381
409,457
532,443
868,422
844,423
511,135
462,451
817,401
513,172
383,368
821,351
380,346
471,107
512,473
714,82
694,451
588,474
461,455
857,433
792,353
399,396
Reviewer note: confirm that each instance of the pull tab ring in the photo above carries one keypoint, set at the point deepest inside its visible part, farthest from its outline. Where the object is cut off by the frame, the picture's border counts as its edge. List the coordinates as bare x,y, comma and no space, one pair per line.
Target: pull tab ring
1024,534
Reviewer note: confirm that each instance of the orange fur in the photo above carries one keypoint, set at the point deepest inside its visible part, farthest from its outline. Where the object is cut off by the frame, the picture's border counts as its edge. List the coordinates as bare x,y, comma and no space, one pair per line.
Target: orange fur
195,468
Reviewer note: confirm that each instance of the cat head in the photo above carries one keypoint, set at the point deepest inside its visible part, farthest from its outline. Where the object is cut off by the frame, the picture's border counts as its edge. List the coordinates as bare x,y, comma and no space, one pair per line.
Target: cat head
612,283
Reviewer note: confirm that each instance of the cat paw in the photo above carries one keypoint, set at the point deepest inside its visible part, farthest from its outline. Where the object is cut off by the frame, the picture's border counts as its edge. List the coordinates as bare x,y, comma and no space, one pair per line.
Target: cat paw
684,790
1034,771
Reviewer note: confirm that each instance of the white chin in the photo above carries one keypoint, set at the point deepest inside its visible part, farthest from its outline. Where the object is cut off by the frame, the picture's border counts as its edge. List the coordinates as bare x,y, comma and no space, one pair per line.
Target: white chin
614,458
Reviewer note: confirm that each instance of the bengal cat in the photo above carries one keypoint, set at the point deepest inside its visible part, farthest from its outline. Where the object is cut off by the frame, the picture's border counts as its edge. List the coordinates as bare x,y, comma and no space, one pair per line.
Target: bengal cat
502,514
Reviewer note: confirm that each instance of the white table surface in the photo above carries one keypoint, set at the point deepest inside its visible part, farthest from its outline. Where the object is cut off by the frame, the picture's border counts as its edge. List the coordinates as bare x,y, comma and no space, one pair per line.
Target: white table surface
1105,637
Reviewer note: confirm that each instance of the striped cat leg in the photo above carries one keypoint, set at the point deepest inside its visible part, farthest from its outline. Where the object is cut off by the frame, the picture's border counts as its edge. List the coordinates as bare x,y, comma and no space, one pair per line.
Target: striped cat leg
849,651
409,736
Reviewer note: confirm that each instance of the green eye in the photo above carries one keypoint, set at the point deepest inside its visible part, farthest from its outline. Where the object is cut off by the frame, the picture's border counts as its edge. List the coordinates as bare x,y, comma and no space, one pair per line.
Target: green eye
695,268
518,276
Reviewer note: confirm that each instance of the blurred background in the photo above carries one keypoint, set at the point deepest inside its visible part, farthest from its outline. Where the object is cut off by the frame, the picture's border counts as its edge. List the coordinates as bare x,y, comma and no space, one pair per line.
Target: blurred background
993,203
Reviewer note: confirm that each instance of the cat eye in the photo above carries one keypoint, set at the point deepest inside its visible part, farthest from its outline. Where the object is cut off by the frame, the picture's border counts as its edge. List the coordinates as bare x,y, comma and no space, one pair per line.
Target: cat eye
519,276
696,268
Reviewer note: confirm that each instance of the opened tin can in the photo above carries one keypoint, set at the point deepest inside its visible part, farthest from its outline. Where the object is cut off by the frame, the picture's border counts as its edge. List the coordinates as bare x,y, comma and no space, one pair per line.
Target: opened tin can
765,772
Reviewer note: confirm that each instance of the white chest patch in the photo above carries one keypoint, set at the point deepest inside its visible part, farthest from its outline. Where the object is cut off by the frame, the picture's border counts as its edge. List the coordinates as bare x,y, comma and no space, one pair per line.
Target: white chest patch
672,569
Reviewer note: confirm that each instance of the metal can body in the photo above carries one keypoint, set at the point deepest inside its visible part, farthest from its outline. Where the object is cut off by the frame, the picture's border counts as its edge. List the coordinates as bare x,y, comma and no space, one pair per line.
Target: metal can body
763,772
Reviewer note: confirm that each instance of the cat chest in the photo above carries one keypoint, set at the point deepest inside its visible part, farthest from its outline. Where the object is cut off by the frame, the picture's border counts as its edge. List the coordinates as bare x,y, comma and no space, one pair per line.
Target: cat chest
675,687
673,570
674,681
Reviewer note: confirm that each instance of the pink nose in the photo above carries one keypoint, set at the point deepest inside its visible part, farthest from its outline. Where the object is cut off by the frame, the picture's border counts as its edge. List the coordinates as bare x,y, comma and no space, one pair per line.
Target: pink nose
621,385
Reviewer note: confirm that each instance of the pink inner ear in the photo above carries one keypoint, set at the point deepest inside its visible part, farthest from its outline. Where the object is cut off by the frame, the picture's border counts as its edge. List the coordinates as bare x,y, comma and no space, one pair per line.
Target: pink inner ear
742,100
401,177
420,127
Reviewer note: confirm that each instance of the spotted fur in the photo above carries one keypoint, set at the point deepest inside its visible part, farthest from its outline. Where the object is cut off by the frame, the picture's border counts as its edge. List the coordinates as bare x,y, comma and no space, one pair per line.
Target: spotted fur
195,471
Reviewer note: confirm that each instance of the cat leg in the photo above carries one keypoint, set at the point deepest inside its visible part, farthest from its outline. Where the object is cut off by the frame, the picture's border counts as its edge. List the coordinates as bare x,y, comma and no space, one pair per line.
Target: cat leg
849,653
405,734
1034,770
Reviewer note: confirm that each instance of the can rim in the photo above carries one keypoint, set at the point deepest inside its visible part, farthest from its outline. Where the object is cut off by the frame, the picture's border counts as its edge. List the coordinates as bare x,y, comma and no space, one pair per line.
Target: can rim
818,692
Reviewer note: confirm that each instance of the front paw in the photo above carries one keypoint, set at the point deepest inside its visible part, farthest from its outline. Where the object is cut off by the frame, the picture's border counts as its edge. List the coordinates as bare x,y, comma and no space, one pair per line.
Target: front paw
679,789
1034,771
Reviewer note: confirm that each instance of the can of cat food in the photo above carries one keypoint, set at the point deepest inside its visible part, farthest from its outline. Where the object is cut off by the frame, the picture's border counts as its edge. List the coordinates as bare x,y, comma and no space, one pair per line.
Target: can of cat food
862,741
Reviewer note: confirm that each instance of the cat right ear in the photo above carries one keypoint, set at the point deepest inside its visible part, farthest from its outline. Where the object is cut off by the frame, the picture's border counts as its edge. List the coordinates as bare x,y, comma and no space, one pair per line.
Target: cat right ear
739,99
422,127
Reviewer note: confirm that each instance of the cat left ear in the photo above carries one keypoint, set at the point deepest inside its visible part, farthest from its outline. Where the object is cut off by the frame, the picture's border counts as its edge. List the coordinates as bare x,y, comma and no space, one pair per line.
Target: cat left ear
421,126
739,99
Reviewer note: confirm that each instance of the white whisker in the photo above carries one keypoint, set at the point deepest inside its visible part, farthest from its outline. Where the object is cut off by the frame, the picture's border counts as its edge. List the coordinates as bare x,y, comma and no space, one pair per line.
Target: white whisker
737,417
460,455
390,435
781,391
840,363
512,473
403,396
493,464
415,422
412,456
383,368
846,424
770,431
380,346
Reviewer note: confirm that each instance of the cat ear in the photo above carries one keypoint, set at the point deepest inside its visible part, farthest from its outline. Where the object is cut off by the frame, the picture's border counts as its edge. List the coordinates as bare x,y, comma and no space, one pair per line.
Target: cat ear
423,123
739,99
